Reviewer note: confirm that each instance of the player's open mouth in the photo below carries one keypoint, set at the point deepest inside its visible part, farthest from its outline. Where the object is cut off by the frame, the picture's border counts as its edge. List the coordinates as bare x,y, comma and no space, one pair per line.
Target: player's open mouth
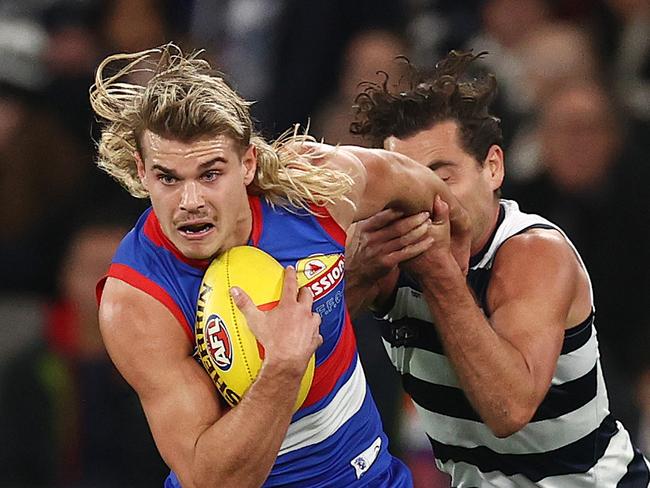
196,230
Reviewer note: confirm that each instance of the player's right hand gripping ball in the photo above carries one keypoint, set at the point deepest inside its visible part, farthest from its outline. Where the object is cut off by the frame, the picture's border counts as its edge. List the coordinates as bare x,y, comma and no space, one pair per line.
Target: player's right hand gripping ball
226,346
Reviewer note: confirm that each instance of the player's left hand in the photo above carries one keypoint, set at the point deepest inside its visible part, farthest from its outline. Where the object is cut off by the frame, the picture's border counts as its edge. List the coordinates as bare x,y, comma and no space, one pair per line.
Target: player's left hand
442,249
378,244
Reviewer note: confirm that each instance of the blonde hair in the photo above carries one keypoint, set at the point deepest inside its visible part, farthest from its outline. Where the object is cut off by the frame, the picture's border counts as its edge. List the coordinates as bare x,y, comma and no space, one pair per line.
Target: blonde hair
184,99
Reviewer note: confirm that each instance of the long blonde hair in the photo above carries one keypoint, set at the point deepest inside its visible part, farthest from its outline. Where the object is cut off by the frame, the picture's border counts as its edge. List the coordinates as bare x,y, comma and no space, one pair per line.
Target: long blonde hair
184,99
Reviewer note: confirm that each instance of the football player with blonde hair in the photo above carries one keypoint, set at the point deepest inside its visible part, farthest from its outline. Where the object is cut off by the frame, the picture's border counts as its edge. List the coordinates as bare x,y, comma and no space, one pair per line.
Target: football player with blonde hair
186,141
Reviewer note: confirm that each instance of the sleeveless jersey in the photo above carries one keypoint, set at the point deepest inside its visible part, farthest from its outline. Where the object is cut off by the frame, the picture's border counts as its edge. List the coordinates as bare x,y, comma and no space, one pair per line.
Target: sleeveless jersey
571,441
335,439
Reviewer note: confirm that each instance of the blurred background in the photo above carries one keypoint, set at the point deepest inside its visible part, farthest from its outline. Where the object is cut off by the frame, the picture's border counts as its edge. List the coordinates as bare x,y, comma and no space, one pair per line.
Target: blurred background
574,78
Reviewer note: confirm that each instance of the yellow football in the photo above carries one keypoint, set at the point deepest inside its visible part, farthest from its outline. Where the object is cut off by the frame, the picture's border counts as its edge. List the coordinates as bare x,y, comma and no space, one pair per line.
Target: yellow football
226,346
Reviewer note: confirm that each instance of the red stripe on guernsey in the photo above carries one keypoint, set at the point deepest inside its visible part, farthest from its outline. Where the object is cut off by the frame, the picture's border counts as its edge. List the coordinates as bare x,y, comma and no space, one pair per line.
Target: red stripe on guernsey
141,282
258,223
155,234
99,289
329,372
328,223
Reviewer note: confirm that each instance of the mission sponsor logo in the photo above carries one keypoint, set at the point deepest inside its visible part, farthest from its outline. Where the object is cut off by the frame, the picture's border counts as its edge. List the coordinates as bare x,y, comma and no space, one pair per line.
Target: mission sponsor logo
321,273
218,342
314,267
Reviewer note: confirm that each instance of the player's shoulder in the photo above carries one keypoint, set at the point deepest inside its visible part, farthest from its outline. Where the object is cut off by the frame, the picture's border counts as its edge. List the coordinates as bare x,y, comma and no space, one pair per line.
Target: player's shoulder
541,254
130,314
536,243
123,307
141,336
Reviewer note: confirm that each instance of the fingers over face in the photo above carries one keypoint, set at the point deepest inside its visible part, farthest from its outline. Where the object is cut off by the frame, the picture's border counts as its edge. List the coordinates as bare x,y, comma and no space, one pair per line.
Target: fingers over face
413,250
440,211
381,219
401,226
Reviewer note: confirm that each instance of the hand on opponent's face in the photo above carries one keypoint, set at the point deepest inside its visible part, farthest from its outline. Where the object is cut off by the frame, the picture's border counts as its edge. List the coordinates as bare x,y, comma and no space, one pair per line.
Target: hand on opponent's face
388,239
380,243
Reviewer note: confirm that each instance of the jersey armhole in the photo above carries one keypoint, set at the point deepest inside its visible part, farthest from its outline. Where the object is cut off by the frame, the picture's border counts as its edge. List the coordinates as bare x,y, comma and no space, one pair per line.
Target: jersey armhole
137,280
329,225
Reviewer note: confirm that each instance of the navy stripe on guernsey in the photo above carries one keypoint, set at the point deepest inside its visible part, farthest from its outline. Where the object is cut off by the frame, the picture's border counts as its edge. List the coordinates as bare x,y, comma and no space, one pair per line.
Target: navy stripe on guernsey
572,439
576,457
637,474
419,333
560,399
446,400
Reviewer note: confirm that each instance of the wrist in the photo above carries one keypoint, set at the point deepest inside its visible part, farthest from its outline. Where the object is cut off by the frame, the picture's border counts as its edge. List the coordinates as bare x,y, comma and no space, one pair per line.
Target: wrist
441,272
283,369
356,278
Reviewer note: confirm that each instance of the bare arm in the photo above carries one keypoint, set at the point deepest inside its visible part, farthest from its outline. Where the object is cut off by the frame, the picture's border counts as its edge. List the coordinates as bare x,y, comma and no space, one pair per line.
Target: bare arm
204,444
386,179
505,363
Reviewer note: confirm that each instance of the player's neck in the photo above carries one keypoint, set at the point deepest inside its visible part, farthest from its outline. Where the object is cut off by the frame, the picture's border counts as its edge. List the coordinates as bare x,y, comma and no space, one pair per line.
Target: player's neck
488,230
244,228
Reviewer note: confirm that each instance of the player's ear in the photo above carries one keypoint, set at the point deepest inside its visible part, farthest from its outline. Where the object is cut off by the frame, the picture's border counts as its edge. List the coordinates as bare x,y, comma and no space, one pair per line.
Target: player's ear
249,164
494,164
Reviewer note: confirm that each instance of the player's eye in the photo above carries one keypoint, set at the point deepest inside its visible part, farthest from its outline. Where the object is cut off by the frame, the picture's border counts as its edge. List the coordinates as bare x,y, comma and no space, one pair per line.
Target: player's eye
443,175
210,175
166,179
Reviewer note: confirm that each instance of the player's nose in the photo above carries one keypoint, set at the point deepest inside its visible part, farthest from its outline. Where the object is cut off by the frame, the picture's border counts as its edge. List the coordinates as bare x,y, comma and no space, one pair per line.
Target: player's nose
191,197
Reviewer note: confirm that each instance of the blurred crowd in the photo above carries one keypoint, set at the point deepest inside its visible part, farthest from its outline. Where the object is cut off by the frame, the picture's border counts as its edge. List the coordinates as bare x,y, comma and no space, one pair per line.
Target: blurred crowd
574,80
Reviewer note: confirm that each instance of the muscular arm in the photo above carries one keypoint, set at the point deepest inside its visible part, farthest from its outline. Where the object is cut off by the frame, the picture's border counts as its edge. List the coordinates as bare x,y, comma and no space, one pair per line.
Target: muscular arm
386,179
204,444
505,363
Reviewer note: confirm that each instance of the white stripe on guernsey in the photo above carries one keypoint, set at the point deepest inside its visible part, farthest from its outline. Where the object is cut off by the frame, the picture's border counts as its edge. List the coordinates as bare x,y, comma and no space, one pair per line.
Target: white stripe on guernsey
536,437
409,303
605,474
514,222
425,365
577,363
435,368
613,465
318,426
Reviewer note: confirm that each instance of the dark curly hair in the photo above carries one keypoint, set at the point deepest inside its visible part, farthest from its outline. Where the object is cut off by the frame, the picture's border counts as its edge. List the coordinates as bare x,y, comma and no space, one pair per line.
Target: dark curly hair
440,95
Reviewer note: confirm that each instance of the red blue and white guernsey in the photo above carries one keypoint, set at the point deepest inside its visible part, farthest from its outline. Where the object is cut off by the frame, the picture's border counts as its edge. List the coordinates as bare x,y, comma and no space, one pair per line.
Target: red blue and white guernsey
336,438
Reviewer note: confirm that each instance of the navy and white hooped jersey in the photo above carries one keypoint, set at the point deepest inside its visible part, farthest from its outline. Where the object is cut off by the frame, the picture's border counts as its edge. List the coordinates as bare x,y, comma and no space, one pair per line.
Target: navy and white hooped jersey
336,438
572,440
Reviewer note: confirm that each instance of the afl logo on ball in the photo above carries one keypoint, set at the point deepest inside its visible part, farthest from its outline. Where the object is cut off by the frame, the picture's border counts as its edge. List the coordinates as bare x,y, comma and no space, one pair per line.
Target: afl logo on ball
218,342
